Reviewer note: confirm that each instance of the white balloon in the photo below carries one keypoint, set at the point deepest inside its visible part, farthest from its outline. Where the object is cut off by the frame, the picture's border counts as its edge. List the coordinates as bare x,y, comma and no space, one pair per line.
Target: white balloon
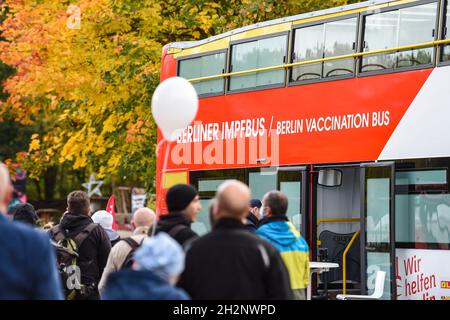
174,106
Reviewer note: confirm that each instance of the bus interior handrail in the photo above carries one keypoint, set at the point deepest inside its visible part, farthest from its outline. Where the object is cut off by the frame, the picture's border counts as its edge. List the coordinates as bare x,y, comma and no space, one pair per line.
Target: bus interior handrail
344,262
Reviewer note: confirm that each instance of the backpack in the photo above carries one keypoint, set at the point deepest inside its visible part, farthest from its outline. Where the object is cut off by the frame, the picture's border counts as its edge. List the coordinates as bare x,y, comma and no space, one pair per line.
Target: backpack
129,260
67,260
176,230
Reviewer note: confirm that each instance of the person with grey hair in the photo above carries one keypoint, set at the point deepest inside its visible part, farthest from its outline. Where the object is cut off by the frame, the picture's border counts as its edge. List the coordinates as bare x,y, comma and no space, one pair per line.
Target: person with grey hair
156,268
92,243
27,260
121,255
230,262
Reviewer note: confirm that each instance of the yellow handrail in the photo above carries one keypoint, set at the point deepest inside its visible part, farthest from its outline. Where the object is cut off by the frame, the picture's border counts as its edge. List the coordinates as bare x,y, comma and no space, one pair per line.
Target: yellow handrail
301,63
337,220
344,262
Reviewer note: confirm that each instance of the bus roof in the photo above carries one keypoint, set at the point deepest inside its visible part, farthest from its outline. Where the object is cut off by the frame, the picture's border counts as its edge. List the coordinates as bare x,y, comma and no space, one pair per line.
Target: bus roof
360,5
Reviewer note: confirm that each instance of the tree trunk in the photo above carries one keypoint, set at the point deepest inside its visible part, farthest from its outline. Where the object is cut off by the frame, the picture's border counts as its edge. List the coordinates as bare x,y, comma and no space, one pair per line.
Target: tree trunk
50,182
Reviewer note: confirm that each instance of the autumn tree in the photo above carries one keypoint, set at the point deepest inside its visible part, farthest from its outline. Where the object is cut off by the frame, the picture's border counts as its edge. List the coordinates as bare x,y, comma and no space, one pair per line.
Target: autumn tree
87,88
90,88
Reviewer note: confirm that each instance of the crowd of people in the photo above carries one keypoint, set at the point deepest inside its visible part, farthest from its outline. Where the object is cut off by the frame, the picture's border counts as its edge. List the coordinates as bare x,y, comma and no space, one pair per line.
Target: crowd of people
253,251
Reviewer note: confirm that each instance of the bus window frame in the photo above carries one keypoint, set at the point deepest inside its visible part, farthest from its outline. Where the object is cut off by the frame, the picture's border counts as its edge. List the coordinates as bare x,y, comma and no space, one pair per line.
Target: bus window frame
408,190
397,191
196,175
442,36
258,88
316,23
202,54
367,13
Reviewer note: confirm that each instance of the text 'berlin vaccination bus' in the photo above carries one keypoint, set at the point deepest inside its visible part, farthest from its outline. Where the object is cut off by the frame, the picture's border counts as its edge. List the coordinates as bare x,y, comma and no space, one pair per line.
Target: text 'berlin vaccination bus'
345,110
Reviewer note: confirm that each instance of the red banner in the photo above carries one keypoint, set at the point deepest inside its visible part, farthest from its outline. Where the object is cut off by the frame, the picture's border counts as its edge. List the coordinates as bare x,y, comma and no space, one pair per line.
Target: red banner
110,208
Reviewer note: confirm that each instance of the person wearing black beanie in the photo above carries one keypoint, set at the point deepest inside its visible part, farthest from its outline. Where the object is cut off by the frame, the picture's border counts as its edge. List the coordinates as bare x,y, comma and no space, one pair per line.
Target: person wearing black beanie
180,196
183,203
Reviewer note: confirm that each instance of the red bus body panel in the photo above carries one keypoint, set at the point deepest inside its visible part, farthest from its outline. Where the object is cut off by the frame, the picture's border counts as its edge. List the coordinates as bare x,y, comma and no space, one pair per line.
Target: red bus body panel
362,95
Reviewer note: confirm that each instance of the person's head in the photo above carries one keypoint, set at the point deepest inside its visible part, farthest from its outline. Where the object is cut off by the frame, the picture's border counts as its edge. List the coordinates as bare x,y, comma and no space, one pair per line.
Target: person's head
184,198
255,205
25,212
103,218
78,203
6,188
275,203
233,198
162,255
143,217
212,213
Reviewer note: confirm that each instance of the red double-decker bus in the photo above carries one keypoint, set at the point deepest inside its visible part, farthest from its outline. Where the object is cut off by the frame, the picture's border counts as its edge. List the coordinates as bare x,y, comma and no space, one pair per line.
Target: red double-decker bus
346,111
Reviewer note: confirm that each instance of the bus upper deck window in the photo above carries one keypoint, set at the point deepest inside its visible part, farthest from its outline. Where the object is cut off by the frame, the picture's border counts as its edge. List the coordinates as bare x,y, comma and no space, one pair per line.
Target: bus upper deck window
446,34
308,45
207,65
322,41
266,52
402,27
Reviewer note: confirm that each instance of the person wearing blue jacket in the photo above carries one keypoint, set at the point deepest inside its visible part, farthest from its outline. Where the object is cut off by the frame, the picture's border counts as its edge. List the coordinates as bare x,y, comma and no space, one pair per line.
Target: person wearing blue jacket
27,261
276,228
157,265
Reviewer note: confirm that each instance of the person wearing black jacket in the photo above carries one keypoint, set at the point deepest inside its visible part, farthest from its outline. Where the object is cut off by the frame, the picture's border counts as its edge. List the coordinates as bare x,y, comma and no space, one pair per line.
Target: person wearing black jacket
184,205
251,223
230,262
94,251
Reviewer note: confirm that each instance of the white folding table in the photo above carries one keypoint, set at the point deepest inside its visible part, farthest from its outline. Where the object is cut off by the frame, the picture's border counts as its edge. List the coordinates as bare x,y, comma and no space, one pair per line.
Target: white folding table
318,267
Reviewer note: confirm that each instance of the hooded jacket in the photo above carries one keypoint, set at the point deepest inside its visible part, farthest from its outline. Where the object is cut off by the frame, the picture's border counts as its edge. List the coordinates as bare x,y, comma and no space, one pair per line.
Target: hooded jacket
280,232
94,250
184,233
129,284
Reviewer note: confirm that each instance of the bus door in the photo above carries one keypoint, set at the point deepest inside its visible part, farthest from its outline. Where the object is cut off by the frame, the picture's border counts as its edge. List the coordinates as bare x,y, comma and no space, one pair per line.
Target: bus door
336,215
293,182
377,236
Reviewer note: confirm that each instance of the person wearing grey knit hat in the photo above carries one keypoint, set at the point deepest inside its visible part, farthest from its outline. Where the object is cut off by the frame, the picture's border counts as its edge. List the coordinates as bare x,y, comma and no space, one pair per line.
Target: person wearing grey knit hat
157,265
162,255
